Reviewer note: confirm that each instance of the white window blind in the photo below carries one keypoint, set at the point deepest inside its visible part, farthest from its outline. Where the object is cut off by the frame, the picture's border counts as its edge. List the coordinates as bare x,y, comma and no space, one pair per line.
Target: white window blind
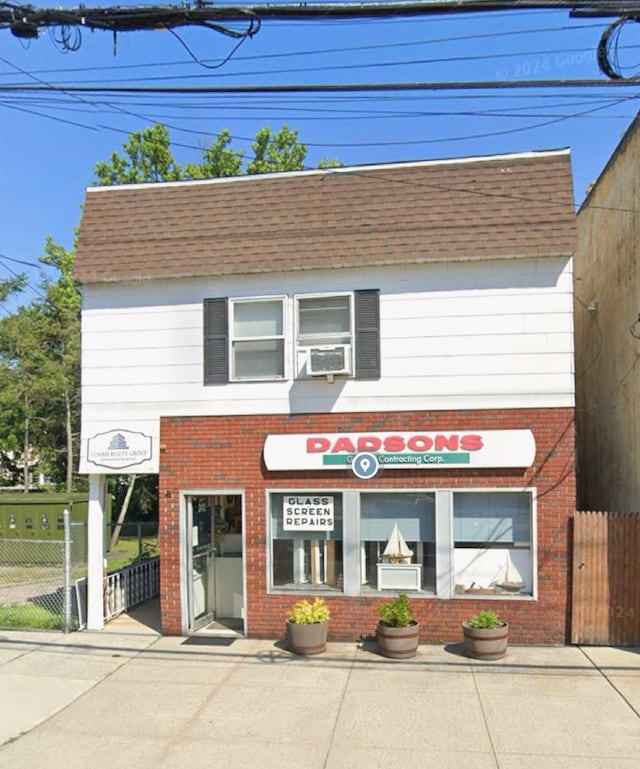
413,512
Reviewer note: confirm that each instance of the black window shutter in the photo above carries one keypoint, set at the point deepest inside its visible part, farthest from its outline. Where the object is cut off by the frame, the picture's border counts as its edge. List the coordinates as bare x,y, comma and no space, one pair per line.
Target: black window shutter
367,312
216,341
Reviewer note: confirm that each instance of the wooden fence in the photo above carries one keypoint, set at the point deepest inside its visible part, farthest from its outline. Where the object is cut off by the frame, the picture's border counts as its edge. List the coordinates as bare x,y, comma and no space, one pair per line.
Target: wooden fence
606,579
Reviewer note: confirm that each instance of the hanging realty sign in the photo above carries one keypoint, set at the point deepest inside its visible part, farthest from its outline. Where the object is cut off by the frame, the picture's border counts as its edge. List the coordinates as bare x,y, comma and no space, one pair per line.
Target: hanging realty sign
302,512
403,450
119,449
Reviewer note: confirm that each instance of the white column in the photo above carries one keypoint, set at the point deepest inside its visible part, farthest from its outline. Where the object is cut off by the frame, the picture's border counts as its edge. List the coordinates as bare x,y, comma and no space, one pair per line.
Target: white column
444,544
96,552
351,547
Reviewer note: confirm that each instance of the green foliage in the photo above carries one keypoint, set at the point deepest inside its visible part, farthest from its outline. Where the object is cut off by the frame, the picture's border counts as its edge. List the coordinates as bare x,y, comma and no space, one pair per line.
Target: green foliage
330,163
144,500
130,550
29,616
396,613
148,158
279,151
12,285
487,620
306,613
217,160
24,337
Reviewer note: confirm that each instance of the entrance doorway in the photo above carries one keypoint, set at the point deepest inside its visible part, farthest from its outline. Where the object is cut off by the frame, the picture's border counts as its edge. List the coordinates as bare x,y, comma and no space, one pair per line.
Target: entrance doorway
214,564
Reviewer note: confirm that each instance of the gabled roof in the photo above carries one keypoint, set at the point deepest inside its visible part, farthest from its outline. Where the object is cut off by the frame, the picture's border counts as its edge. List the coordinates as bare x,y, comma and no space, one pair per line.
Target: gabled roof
504,206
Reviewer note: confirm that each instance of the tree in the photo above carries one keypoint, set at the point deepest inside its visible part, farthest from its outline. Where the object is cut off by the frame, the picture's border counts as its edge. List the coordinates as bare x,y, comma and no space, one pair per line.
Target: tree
217,160
39,373
9,440
277,152
11,285
61,308
22,358
147,157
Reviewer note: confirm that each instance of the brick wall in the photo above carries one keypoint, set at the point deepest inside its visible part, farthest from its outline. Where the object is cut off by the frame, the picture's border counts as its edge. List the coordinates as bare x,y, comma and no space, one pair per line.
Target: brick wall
226,452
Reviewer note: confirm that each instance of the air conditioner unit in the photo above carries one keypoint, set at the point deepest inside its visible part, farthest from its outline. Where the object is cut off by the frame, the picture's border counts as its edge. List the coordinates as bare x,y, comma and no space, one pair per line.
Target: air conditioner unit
329,359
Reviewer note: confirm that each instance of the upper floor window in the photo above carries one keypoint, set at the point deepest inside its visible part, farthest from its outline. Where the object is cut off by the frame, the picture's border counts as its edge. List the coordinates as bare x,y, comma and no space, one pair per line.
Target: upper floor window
257,339
324,320
324,335
246,339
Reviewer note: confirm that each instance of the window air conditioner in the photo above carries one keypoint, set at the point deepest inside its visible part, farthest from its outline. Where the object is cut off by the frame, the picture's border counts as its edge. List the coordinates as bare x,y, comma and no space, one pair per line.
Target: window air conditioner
329,359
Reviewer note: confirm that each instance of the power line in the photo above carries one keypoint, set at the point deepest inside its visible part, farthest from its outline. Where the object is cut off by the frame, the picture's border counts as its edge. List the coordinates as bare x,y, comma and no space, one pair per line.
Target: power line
19,261
26,21
348,67
347,49
352,113
468,85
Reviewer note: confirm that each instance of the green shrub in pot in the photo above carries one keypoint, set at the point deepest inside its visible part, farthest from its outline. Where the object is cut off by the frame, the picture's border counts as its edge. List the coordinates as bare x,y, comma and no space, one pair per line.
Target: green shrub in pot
308,626
398,632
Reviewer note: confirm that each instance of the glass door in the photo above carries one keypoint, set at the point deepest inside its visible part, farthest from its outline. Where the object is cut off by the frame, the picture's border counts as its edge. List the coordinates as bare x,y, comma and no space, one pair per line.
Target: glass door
201,563
214,563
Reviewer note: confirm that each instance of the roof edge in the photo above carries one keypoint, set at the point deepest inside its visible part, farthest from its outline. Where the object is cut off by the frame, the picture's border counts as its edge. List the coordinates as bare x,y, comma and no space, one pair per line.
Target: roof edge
341,266
355,169
619,149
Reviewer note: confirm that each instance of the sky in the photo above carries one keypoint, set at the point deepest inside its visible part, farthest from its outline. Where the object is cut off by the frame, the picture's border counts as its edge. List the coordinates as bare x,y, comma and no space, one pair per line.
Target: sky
51,140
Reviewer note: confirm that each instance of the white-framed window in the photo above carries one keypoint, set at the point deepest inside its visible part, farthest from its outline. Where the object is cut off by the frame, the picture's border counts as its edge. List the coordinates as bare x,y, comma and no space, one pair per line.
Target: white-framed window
257,338
325,319
398,540
249,339
492,542
324,334
306,540
453,543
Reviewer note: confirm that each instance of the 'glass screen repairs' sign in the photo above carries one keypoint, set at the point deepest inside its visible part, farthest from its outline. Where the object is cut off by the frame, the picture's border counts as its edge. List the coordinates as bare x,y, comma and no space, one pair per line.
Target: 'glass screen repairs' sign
307,513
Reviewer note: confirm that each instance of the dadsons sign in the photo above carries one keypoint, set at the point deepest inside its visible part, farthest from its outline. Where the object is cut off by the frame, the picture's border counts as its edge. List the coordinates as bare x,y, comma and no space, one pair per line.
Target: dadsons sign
419,450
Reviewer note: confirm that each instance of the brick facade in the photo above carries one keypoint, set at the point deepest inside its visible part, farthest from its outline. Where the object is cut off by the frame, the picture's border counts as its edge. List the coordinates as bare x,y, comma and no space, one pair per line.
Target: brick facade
226,452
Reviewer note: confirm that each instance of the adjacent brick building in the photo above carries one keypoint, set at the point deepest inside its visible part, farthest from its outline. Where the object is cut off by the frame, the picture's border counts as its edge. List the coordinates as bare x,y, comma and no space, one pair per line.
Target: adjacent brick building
313,361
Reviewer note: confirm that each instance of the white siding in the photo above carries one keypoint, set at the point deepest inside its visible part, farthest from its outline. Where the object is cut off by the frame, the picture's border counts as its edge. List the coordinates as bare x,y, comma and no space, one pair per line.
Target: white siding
467,335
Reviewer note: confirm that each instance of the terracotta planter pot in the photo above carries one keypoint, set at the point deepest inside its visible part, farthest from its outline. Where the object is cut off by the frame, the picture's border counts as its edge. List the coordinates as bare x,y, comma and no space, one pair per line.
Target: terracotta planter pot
484,643
398,642
307,639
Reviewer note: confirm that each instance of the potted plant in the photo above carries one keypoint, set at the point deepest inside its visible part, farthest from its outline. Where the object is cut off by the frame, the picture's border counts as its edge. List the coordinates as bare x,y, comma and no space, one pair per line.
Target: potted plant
397,633
485,636
307,627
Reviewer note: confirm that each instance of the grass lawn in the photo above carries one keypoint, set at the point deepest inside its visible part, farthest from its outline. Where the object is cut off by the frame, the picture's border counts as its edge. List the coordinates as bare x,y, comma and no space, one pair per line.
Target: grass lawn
29,616
127,552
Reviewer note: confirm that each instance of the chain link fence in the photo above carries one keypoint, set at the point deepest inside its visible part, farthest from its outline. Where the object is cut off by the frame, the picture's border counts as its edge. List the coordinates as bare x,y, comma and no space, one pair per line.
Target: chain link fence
136,541
37,579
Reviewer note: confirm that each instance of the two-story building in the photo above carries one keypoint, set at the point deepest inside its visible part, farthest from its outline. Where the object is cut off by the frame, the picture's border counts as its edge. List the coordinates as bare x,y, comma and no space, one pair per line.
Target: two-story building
319,363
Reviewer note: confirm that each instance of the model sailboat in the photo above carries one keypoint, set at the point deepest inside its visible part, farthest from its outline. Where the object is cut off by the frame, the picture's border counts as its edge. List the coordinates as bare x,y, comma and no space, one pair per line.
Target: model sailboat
509,578
397,550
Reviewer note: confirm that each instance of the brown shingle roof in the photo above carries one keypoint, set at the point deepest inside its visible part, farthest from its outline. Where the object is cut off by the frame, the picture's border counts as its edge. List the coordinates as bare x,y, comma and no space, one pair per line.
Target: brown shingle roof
495,207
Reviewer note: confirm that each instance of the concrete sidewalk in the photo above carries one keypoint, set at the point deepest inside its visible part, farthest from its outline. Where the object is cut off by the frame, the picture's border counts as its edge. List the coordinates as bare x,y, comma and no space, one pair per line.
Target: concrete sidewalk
130,698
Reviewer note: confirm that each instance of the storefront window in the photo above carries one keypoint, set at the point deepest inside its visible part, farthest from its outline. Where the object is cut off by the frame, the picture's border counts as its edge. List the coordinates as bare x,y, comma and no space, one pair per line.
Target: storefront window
306,540
397,532
492,542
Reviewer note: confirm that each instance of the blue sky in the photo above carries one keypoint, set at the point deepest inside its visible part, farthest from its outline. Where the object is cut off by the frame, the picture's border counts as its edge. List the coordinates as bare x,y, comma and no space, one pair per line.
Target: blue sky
51,140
